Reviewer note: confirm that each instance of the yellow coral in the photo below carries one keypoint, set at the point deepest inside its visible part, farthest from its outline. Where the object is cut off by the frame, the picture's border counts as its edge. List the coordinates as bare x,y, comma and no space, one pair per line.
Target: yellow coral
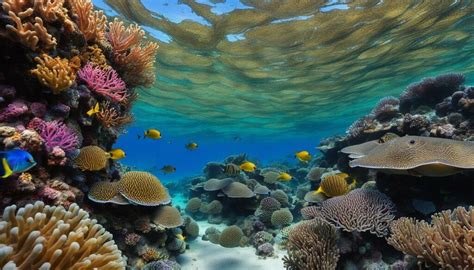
91,23
54,10
56,73
50,237
143,188
91,158
95,55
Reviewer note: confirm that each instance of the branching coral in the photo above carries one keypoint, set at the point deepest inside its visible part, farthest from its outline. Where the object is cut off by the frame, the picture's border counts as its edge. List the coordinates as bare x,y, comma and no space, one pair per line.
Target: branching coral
312,245
110,116
57,134
55,73
105,82
91,23
135,59
95,55
447,243
50,237
54,10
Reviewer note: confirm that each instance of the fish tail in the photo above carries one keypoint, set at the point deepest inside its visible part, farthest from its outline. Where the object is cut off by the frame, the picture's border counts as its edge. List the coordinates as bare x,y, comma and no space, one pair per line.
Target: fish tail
5,169
319,190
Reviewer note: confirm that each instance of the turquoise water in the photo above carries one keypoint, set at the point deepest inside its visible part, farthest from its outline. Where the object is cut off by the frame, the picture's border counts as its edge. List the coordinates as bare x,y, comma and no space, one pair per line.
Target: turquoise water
280,75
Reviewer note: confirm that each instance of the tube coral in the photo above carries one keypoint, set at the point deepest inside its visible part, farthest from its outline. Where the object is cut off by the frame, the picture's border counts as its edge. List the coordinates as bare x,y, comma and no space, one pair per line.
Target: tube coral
105,82
55,73
135,59
57,134
447,242
91,23
312,245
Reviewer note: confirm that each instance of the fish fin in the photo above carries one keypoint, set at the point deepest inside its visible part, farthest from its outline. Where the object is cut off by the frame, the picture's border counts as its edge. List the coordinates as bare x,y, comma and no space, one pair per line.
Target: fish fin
6,168
319,190
353,184
108,155
90,112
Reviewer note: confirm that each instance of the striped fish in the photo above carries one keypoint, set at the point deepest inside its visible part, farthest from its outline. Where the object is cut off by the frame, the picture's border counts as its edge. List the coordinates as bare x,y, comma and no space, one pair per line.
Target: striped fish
231,169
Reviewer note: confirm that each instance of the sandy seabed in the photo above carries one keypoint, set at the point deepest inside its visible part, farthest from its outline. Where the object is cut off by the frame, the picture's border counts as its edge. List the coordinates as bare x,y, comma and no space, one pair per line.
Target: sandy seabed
204,255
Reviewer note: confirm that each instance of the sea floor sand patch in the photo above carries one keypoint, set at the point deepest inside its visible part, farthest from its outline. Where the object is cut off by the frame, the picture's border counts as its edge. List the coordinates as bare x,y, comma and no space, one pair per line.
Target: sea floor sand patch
204,255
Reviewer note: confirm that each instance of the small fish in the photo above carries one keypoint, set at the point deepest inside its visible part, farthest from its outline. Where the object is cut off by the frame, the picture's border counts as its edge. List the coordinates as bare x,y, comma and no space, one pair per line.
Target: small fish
152,134
15,161
303,156
180,236
336,185
284,176
231,169
248,166
191,146
93,110
117,154
168,169
237,138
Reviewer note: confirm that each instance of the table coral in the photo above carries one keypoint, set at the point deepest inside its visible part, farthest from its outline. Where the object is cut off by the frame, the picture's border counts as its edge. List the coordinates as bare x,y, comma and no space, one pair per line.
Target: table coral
55,73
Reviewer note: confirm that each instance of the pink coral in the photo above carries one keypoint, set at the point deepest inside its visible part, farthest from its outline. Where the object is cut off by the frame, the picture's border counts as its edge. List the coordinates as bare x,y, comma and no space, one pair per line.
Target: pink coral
57,134
13,110
38,109
57,156
132,239
104,81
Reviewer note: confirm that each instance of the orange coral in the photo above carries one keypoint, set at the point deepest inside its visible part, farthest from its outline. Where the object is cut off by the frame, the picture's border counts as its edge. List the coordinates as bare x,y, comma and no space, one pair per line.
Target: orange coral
91,23
56,73
111,117
95,55
54,10
134,58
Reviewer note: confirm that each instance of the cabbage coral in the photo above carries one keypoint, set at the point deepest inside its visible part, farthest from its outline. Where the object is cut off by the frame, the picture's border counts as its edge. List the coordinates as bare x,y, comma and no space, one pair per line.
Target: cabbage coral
50,237
447,243
55,73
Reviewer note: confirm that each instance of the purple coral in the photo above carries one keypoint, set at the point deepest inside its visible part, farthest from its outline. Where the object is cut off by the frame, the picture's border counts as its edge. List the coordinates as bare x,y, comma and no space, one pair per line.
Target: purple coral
360,210
105,82
38,109
386,108
13,110
265,250
57,134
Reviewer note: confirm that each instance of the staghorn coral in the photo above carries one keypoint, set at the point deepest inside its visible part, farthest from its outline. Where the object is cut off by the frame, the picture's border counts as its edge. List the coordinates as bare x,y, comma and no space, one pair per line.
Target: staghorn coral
446,243
312,245
91,158
110,117
143,188
57,134
167,217
50,237
230,237
91,23
57,73
360,210
136,60
105,82
281,217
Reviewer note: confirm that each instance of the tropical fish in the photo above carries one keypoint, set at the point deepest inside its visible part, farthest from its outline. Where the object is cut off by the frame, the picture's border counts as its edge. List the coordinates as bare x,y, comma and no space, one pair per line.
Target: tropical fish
117,154
248,166
231,169
335,185
303,156
191,146
93,110
180,236
168,169
152,134
15,161
284,176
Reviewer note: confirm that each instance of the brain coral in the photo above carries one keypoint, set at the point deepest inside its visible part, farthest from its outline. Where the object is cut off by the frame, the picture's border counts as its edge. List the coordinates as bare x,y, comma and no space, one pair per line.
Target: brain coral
238,190
312,245
280,196
91,158
281,217
360,210
193,205
168,217
270,204
143,188
50,237
230,237
214,207
191,229
446,243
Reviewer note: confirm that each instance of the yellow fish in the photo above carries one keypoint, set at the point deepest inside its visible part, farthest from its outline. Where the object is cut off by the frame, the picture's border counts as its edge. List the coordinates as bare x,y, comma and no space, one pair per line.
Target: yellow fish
248,166
336,185
117,154
284,176
153,134
303,156
93,110
191,146
180,237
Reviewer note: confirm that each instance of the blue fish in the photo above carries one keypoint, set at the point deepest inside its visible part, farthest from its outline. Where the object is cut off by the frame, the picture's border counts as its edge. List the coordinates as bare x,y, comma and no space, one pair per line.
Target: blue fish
15,161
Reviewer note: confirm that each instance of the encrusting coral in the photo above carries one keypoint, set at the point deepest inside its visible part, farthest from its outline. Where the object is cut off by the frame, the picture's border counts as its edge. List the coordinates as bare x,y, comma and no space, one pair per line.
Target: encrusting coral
50,237
312,245
55,73
446,243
